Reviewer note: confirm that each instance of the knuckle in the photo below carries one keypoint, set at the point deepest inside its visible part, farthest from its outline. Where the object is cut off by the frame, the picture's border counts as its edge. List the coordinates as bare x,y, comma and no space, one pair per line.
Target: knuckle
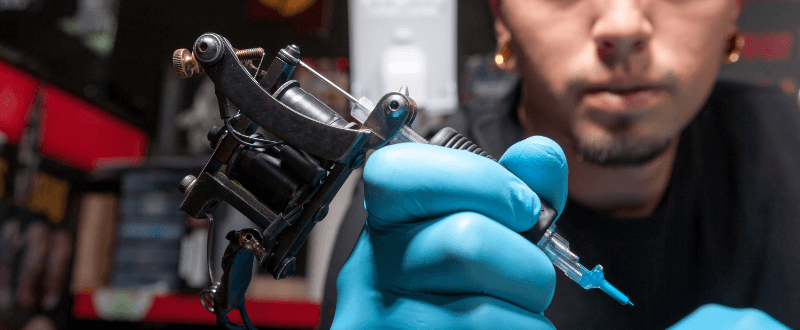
463,236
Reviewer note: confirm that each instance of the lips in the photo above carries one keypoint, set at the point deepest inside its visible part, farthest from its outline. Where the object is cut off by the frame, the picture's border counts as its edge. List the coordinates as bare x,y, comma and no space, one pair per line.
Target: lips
623,100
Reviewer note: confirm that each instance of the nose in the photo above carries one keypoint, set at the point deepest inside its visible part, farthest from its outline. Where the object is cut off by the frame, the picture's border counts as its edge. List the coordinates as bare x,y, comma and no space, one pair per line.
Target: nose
621,30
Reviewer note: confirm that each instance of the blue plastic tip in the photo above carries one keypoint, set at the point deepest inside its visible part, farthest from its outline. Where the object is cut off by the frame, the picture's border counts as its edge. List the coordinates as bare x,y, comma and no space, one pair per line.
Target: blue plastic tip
614,293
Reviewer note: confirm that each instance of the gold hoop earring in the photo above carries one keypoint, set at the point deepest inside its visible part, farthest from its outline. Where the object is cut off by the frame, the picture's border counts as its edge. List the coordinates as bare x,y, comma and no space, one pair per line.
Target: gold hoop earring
504,54
735,46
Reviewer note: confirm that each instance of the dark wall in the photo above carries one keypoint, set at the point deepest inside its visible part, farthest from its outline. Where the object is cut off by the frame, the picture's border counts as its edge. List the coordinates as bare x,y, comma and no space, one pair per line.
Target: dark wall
149,31
128,82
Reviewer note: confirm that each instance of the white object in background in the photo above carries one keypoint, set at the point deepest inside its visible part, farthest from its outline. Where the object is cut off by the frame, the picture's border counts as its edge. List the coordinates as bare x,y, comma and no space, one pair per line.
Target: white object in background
193,267
405,42
323,237
198,119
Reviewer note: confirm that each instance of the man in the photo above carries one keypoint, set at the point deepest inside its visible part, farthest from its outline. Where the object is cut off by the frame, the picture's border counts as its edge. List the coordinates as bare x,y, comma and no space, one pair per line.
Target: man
685,189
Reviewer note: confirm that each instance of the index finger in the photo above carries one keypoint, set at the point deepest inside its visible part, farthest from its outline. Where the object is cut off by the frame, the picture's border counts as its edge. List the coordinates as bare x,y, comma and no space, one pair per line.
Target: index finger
407,182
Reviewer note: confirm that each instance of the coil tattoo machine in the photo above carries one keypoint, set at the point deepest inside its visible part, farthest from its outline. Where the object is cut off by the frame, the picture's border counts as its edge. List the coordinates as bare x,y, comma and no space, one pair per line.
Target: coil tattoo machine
284,186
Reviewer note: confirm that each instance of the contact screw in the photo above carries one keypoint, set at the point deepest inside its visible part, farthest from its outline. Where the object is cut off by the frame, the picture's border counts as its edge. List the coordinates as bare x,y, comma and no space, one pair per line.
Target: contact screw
185,64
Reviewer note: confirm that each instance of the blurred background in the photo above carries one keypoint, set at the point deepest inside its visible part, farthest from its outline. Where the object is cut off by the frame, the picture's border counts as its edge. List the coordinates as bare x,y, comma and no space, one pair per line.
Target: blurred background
96,131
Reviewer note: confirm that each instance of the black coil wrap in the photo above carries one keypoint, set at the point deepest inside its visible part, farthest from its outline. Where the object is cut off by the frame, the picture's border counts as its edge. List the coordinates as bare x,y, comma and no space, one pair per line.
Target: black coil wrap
449,138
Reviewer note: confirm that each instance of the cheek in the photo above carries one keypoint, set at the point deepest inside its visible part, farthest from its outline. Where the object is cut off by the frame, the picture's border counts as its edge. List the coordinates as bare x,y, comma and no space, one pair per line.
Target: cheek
693,59
690,49
553,38
549,77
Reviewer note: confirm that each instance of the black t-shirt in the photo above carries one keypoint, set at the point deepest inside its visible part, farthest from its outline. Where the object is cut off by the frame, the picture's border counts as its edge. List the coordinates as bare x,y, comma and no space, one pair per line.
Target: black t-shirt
726,232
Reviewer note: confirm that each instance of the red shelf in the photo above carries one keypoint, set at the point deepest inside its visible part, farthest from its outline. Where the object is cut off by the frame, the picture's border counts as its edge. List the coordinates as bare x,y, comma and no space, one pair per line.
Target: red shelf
72,130
186,309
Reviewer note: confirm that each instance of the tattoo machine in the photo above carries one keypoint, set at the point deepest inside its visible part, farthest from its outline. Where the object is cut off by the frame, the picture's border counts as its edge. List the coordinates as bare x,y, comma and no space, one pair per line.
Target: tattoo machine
284,183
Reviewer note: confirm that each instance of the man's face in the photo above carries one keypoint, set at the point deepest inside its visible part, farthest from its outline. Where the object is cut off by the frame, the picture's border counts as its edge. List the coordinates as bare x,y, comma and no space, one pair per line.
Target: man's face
616,79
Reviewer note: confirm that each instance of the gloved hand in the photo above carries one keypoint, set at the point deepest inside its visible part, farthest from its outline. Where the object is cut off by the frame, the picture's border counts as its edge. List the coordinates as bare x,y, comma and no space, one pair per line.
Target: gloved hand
713,316
440,248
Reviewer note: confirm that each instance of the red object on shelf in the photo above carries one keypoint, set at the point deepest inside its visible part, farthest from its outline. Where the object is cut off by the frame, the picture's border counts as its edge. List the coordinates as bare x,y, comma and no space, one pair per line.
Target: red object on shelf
304,16
73,131
17,91
186,309
768,46
86,137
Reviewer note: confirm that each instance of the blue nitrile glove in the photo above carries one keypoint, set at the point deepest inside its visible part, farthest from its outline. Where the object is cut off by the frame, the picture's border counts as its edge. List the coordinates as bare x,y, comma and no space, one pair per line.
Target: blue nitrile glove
713,316
440,248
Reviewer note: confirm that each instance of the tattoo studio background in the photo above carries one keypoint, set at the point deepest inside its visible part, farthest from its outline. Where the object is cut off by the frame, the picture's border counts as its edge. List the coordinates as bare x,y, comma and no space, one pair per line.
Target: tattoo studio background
97,131
771,55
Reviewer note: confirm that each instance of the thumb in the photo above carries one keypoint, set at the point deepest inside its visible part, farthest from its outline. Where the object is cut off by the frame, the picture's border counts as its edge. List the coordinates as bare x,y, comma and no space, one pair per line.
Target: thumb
540,163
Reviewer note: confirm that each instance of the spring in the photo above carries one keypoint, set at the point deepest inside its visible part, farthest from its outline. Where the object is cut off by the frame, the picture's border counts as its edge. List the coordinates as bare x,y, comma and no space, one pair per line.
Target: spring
250,53
207,296
209,293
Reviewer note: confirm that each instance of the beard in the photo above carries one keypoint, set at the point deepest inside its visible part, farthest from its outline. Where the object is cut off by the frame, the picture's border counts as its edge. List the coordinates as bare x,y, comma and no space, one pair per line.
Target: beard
619,152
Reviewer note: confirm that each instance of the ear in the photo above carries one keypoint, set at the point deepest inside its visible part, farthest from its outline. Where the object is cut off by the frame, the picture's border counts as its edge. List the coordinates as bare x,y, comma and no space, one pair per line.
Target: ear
505,57
736,9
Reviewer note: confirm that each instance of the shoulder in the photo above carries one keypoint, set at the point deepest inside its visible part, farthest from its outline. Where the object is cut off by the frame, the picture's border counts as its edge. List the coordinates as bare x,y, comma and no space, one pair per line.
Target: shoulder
746,90
764,121
762,126
766,104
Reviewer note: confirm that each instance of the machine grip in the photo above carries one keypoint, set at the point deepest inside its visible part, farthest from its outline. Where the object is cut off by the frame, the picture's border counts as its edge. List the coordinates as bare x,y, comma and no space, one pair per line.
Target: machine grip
449,138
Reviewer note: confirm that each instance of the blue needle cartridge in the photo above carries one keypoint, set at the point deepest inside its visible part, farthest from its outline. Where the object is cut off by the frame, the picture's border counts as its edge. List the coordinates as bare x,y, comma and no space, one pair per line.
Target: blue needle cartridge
557,249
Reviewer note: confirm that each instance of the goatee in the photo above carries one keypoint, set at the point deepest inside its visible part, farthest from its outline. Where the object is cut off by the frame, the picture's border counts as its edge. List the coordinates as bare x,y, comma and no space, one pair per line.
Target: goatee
621,152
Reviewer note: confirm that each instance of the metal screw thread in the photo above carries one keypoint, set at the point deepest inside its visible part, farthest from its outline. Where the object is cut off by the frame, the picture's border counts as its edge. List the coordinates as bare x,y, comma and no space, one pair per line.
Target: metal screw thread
250,53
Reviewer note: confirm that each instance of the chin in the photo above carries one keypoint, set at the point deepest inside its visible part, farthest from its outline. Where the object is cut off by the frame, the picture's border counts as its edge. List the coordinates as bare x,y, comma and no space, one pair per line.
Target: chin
621,151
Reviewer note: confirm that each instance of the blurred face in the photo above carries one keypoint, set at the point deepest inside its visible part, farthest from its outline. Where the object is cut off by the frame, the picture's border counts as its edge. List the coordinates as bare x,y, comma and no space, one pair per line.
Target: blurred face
615,79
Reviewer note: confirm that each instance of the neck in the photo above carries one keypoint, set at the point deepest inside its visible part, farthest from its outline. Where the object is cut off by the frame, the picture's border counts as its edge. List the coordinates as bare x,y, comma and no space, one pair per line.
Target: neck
624,192
621,191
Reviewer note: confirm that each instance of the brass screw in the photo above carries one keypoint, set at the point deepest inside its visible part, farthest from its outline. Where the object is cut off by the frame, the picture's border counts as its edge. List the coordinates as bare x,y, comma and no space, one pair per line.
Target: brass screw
184,63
